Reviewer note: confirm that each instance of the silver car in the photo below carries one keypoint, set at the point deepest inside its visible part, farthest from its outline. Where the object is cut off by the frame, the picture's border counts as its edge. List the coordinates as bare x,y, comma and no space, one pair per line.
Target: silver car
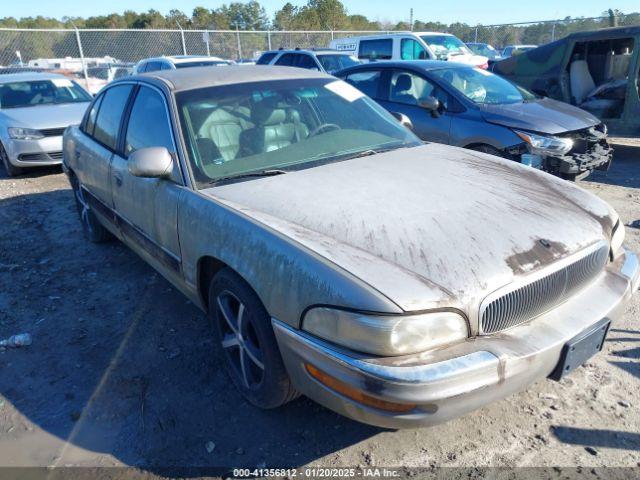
35,108
397,283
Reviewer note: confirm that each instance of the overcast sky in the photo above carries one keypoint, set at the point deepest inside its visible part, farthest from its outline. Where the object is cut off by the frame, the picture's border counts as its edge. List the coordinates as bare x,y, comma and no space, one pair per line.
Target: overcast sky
468,11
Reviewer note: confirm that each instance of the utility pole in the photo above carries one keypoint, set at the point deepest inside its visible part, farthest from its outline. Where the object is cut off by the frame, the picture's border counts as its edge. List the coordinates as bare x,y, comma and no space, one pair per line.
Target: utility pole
411,19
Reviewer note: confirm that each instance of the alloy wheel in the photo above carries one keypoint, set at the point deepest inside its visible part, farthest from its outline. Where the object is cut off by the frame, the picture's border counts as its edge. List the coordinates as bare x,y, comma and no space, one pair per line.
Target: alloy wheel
239,340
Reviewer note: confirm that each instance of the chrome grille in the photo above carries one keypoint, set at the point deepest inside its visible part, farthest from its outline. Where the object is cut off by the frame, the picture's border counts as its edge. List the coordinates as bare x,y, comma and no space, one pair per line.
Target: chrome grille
541,295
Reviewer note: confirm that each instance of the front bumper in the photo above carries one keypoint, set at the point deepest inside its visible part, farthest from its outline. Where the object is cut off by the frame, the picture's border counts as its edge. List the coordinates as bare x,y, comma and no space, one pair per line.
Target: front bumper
32,153
450,382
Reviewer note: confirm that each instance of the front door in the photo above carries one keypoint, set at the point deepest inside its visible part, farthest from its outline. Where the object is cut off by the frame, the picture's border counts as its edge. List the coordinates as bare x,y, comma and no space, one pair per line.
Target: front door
406,90
147,208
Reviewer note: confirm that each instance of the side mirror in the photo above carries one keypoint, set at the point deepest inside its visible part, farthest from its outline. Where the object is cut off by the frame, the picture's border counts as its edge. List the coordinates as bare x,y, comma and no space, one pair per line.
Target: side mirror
152,162
422,55
403,119
431,104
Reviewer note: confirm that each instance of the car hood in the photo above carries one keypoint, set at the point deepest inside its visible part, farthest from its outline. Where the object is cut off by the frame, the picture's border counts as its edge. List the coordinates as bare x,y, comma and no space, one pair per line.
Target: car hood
544,116
429,226
44,116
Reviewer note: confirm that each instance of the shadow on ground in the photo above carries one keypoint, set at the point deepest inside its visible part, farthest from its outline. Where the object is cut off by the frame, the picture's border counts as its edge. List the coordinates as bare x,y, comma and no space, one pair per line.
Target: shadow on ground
121,363
598,438
626,172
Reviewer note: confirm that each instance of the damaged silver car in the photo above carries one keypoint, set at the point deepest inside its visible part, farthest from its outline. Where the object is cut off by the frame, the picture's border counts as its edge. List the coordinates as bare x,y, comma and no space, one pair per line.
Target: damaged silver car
398,283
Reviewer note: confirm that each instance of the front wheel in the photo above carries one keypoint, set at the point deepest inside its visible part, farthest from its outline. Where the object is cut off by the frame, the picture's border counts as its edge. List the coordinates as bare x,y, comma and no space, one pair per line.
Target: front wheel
10,168
246,339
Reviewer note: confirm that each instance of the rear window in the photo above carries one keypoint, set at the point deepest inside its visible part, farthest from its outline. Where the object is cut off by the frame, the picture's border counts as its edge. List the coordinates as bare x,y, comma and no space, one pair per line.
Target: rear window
266,58
334,63
380,49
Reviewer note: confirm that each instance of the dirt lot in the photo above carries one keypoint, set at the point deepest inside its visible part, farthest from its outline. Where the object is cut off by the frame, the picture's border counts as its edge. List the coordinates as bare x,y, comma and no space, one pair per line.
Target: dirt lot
121,369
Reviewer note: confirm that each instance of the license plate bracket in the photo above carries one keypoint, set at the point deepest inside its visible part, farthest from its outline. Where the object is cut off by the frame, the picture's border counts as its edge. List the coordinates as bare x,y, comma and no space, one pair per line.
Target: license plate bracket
581,348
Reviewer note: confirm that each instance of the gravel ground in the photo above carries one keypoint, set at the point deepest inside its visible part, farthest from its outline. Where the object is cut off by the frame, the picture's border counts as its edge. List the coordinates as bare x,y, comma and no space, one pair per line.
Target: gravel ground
121,372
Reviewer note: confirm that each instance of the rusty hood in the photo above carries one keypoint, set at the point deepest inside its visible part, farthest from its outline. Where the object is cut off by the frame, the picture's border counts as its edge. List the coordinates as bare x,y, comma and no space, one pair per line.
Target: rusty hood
428,226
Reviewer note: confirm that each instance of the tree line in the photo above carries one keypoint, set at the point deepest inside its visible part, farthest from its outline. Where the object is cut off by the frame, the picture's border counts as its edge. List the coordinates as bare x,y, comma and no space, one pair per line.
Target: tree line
315,15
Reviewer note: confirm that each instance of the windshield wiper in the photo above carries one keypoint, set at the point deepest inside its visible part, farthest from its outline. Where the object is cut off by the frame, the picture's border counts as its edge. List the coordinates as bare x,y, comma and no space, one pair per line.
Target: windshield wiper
257,173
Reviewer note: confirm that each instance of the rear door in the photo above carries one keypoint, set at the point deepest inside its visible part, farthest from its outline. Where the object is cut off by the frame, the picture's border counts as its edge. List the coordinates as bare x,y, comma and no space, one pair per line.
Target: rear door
404,92
95,148
147,208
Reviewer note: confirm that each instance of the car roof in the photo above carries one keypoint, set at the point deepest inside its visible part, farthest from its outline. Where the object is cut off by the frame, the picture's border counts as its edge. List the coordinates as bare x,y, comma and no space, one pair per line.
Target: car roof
28,77
313,51
410,64
191,78
185,58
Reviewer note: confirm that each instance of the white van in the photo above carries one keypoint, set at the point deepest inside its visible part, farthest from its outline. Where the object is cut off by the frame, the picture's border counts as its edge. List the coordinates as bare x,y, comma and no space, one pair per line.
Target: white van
410,46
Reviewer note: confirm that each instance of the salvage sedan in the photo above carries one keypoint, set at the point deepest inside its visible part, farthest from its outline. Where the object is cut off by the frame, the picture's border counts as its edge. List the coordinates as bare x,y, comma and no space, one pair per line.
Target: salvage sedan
397,283
473,108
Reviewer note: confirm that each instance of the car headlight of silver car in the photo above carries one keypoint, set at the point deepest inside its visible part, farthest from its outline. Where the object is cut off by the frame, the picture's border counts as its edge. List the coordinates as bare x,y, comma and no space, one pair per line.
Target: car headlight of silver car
386,335
19,133
546,144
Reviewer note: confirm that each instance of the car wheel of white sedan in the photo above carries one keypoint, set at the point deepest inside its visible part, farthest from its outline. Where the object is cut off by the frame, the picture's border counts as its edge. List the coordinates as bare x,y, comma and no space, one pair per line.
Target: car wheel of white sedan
11,169
247,342
92,227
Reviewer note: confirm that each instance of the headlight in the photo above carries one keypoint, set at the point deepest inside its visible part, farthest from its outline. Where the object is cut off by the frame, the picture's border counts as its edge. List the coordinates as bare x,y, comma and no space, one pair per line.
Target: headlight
546,144
386,335
25,133
617,238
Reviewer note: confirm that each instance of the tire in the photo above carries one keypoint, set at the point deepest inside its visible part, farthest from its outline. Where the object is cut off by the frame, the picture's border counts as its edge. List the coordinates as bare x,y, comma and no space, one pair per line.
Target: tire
92,227
246,341
490,150
11,169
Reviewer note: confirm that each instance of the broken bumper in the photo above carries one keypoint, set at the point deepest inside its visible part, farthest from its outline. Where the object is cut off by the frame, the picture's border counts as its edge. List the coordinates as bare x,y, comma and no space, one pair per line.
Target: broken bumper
450,382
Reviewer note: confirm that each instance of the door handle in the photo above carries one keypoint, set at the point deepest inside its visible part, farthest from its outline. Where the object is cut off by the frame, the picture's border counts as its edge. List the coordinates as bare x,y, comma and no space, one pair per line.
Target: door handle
78,154
118,179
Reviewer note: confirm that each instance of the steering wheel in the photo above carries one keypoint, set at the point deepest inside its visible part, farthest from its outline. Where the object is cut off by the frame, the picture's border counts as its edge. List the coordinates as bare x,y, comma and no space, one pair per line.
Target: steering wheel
323,127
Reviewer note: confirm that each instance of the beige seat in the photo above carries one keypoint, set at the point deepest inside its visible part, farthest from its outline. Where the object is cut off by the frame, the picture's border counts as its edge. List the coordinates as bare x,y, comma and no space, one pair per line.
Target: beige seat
224,127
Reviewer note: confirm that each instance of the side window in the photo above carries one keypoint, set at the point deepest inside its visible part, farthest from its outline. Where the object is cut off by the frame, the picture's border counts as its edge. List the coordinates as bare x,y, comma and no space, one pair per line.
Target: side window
110,114
409,88
286,60
143,67
412,50
306,61
165,66
381,49
90,120
149,124
367,82
266,58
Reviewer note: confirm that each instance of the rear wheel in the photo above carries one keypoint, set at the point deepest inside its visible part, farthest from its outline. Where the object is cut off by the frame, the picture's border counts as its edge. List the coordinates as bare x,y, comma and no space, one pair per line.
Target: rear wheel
92,227
11,169
247,342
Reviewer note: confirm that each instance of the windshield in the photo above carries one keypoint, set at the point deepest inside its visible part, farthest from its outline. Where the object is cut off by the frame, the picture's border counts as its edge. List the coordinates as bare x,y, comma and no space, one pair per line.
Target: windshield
201,63
333,63
284,124
483,87
41,92
446,45
485,50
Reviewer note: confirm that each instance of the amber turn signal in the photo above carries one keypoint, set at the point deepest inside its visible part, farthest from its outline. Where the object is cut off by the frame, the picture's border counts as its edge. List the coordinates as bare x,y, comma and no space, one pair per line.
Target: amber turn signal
355,394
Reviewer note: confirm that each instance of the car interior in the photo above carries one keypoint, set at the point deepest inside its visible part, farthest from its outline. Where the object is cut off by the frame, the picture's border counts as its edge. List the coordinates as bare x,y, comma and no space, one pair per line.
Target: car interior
242,128
599,74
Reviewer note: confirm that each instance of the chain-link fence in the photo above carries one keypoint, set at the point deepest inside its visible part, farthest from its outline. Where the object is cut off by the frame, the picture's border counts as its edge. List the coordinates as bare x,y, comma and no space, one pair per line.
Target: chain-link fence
77,51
